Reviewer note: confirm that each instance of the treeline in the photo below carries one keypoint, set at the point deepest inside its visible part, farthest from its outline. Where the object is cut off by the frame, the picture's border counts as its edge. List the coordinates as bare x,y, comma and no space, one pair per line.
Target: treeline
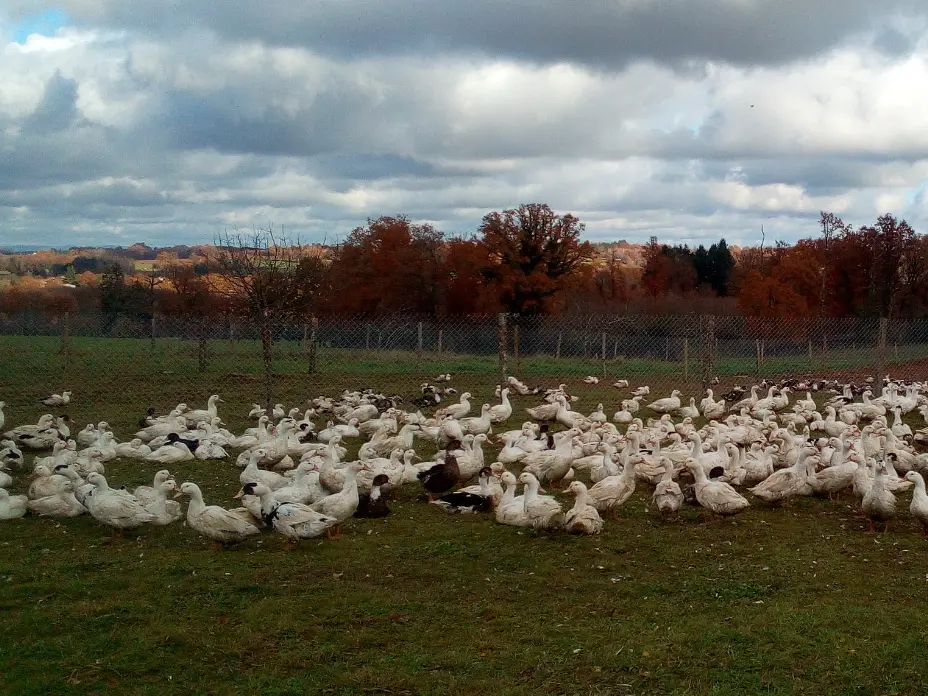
524,261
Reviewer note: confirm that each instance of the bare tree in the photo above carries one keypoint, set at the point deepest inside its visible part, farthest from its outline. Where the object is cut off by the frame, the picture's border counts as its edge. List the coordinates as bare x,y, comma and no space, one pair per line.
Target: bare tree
270,278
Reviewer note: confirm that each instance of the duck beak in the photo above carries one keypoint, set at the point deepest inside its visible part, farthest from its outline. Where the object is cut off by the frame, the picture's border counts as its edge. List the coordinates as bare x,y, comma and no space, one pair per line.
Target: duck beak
178,494
239,495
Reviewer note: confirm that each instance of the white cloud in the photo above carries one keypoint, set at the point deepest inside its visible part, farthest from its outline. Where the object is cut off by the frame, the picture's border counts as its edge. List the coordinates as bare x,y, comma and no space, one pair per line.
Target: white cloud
171,136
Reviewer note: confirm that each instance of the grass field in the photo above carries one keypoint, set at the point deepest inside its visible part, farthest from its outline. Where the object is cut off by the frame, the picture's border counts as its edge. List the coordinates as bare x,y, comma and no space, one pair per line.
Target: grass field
786,601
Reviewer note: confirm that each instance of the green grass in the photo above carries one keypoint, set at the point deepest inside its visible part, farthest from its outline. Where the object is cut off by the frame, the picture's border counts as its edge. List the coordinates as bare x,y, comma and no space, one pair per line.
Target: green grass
786,601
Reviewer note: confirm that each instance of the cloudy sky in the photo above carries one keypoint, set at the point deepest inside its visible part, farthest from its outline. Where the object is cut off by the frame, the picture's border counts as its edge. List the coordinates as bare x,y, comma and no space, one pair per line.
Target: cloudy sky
686,119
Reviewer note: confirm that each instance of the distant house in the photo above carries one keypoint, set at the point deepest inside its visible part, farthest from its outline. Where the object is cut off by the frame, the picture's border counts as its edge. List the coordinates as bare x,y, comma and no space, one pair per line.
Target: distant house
6,278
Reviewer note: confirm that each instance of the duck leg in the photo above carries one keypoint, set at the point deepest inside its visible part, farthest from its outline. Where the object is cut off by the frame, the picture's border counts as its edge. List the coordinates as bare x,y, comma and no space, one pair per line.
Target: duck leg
872,529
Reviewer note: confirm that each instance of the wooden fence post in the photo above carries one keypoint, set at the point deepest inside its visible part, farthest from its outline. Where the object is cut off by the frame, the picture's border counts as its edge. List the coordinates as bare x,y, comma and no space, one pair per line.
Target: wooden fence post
501,318
311,360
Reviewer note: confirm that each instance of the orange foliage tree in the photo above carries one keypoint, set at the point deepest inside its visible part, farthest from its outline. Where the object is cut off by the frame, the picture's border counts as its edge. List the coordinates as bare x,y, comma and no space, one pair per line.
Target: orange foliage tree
388,266
532,254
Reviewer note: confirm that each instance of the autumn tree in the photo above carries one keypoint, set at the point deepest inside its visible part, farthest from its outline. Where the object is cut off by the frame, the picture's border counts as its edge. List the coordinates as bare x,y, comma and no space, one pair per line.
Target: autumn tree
269,278
464,289
391,266
532,253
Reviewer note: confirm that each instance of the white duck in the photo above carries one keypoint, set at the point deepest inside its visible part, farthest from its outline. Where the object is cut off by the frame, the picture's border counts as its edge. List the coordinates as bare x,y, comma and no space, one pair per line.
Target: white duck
479,424
46,483
666,405
63,504
582,518
511,509
146,494
552,465
135,449
667,494
543,510
613,491
597,416
118,510
344,504
879,503
458,410
919,504
215,523
690,411
501,412
252,474
14,506
170,454
716,496
785,483
165,511
294,521
207,414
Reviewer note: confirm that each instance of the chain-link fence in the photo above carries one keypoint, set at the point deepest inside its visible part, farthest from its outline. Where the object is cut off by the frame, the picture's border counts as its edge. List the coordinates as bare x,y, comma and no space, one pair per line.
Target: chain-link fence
103,356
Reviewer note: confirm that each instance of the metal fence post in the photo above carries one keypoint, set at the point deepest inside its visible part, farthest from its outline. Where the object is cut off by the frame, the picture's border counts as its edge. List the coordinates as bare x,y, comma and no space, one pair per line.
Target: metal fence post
501,318
440,336
560,339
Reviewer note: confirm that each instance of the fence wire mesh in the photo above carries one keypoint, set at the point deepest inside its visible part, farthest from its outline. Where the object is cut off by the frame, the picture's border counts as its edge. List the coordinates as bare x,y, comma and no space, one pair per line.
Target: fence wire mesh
191,357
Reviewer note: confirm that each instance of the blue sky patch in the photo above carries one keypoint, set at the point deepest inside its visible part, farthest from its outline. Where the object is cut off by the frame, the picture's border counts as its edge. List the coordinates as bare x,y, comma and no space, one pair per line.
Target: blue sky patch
46,24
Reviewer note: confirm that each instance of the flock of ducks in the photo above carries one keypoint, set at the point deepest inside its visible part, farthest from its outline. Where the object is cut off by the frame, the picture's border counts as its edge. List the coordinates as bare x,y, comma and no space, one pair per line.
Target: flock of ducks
296,481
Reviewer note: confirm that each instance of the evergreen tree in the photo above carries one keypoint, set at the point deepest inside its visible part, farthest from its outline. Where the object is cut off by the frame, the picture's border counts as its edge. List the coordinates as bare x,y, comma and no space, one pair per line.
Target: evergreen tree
720,264
70,276
113,294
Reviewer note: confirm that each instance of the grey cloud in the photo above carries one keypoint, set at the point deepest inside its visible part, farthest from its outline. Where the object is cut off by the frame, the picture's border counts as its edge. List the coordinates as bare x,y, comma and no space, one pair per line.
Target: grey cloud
602,34
58,108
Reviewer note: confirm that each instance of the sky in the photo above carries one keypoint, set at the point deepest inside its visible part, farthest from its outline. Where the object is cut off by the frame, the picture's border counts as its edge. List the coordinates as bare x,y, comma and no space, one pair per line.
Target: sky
689,120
